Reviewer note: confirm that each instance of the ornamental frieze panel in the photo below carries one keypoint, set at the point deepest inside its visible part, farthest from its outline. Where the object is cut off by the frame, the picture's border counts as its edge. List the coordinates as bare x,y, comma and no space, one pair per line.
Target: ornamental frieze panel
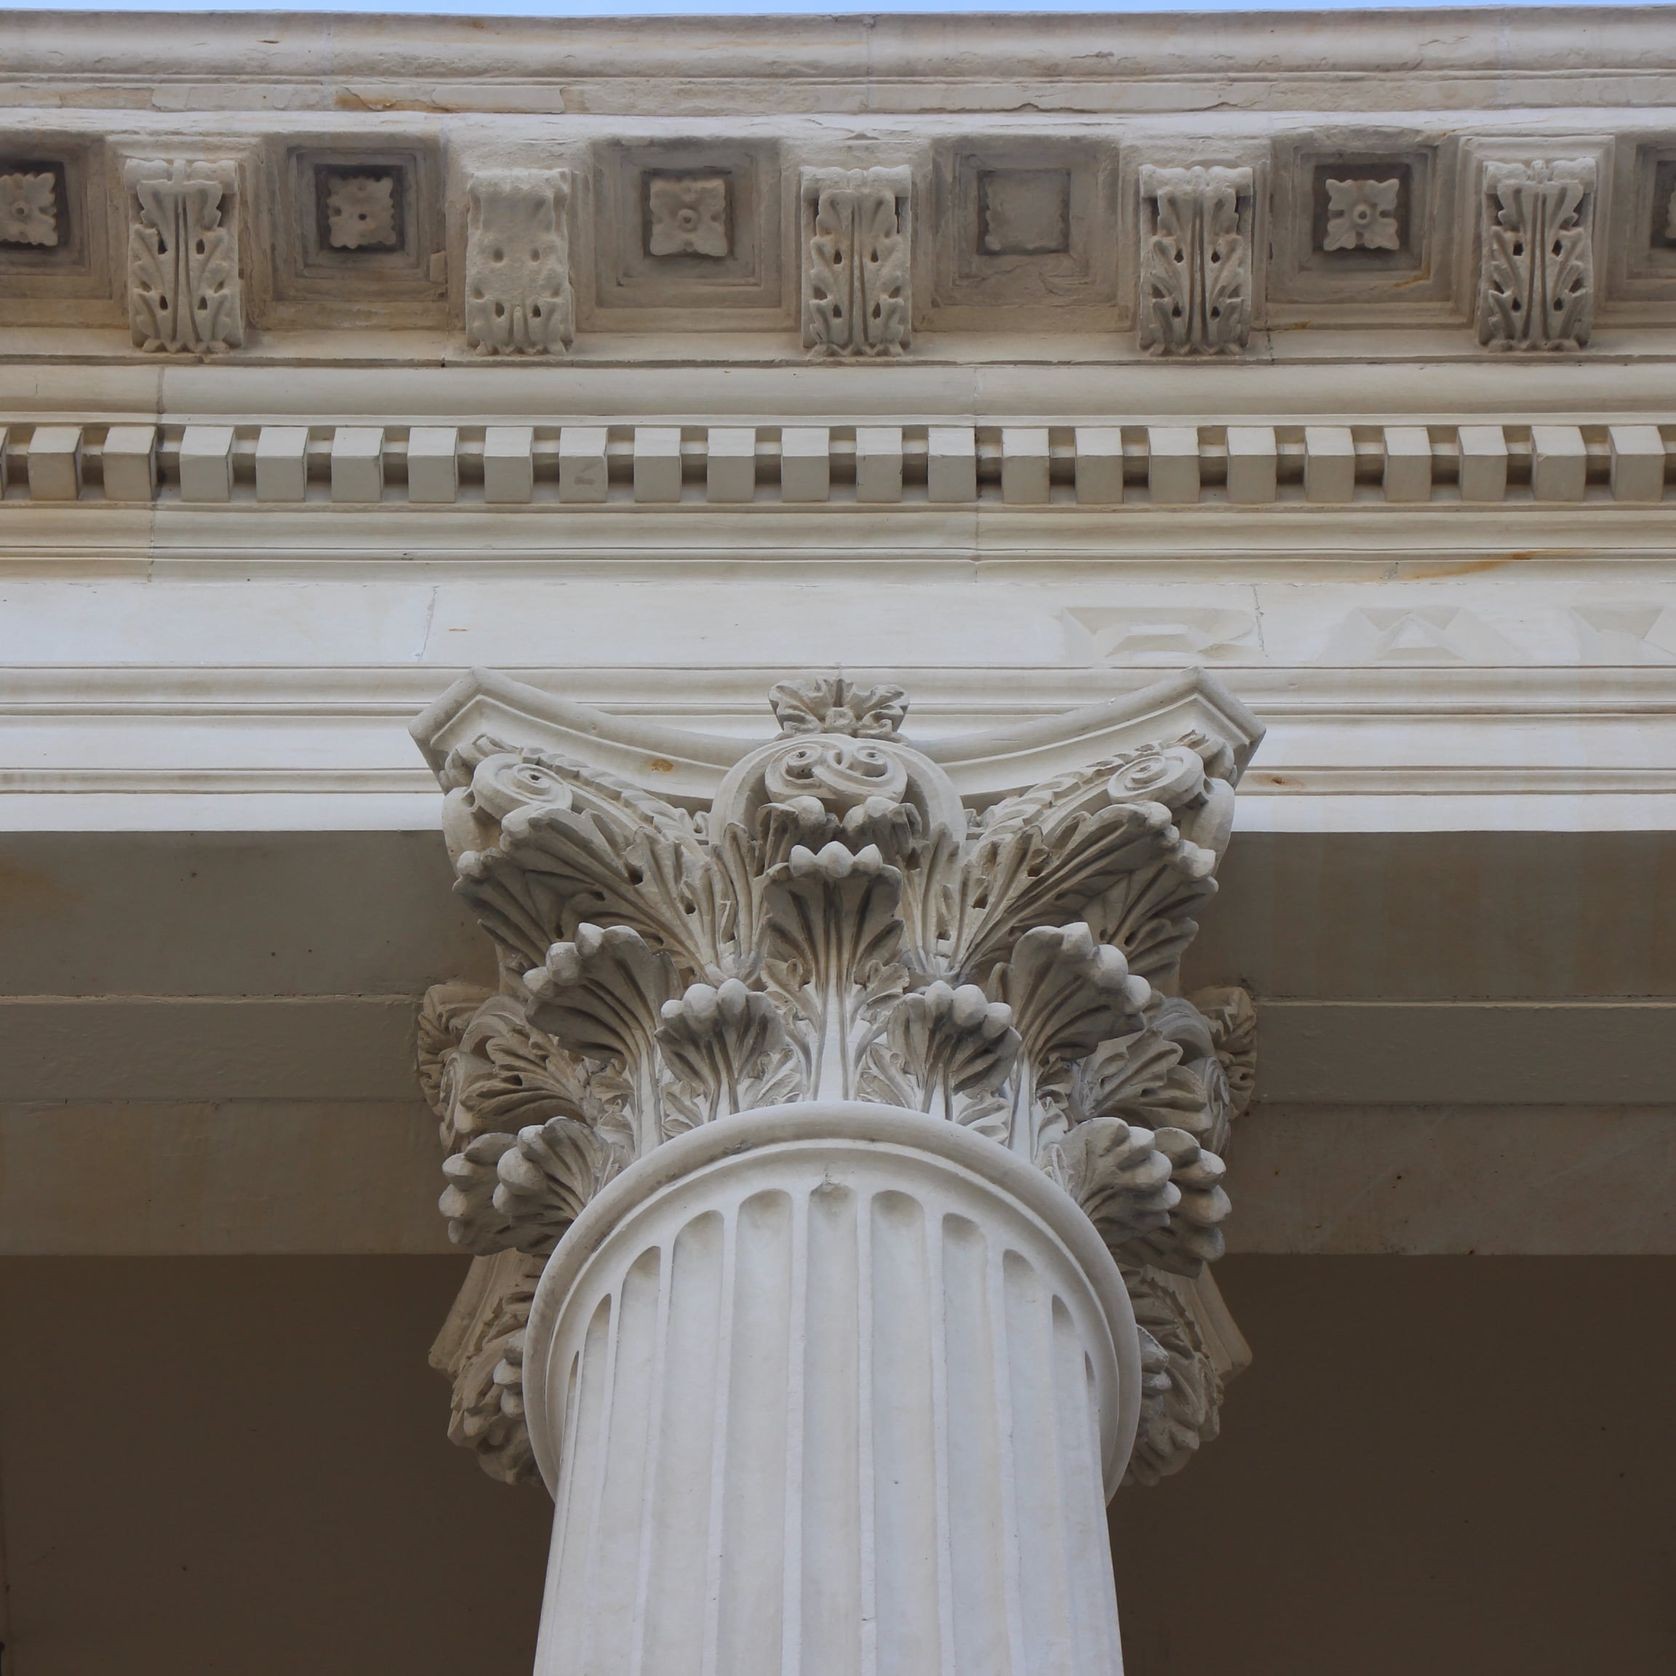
1158,242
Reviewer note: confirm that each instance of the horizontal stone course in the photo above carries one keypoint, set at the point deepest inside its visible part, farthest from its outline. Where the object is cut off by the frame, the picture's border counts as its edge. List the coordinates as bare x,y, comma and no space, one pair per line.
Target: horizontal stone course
1025,464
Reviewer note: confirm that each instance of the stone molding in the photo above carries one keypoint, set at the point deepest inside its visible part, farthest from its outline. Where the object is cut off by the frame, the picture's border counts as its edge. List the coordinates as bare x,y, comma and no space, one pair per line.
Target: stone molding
1362,746
1551,460
990,935
1048,230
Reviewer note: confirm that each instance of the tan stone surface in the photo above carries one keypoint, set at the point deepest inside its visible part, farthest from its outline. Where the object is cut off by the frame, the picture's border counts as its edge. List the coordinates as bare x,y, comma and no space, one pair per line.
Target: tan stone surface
1434,1466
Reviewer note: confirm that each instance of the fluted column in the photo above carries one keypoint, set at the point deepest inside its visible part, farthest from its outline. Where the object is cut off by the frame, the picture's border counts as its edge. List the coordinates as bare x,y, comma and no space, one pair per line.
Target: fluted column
832,1120
828,1391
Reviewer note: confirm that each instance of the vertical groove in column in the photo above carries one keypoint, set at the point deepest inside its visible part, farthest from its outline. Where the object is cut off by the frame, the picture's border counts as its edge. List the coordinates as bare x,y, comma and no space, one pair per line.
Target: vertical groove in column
867,1500
904,1479
751,1557
1012,1546
568,1584
936,1341
1042,1560
797,1335
614,1556
1098,1586
646,1582
563,1501
720,1453
1082,1500
831,1515
978,1520
687,1400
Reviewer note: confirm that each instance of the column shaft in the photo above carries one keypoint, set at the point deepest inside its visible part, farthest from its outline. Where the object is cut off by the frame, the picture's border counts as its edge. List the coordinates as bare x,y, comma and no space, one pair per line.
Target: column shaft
828,1407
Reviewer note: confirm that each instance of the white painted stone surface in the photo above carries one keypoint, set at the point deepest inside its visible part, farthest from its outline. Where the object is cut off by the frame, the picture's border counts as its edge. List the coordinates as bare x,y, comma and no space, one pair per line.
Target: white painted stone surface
838,1389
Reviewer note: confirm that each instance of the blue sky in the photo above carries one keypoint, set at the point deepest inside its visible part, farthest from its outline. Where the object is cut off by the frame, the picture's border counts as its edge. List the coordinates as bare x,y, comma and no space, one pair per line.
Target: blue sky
649,8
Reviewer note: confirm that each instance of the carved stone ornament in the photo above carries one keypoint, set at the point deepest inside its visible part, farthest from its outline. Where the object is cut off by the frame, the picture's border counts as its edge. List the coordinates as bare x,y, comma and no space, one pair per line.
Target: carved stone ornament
832,995
518,291
360,211
688,215
1196,275
1362,215
28,208
1536,287
856,243
183,256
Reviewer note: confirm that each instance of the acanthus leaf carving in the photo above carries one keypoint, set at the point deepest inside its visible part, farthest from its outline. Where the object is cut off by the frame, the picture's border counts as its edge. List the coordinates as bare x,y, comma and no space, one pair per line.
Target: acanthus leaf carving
601,998
725,1050
1068,993
948,1052
1181,1399
1196,263
856,261
481,1351
1536,286
183,255
840,926
832,944
518,295
548,1173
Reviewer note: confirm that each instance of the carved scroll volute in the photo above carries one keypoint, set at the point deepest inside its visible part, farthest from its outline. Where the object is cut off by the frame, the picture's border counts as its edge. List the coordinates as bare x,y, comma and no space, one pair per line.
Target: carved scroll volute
838,747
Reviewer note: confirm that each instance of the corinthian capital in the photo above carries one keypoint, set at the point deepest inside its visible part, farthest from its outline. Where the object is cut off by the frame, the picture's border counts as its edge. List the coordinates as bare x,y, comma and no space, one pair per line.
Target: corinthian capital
846,915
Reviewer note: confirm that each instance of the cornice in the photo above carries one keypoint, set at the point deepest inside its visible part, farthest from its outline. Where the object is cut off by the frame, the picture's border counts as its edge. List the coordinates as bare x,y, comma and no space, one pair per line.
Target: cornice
1032,190
683,66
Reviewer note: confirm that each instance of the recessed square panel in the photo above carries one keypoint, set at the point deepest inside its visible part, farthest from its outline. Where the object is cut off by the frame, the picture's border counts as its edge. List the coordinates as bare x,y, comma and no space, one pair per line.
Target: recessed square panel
1661,221
685,233
1024,212
53,246
357,232
1024,226
1637,222
1361,226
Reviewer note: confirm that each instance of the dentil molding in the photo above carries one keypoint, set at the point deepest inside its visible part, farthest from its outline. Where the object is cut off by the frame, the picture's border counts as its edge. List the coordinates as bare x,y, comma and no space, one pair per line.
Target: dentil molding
1550,460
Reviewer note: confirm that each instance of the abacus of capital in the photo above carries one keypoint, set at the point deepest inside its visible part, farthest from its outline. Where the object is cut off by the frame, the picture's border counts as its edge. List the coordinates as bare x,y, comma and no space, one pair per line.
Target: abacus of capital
841,1163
